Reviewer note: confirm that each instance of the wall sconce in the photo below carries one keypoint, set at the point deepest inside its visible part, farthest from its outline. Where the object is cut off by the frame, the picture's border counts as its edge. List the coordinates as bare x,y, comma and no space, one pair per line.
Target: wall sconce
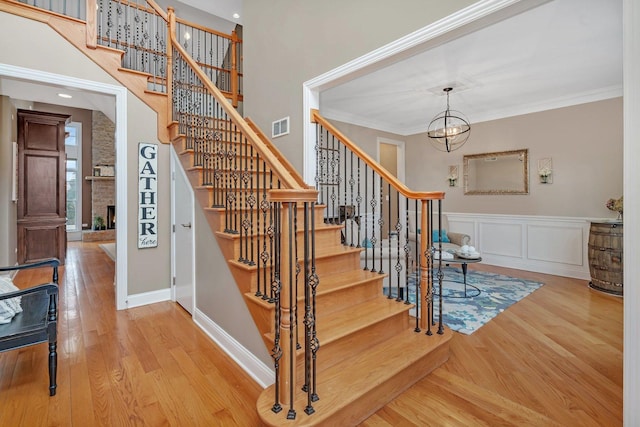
453,176
545,171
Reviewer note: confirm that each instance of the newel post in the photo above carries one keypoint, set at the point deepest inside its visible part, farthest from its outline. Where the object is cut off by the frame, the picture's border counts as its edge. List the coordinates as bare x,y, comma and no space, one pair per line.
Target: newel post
92,25
171,27
285,346
235,84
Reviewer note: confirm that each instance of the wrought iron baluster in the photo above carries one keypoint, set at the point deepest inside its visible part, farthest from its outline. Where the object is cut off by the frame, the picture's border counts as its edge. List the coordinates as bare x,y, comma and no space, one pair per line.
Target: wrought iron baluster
407,252
418,272
359,202
429,296
352,182
276,287
440,273
314,282
274,251
252,204
244,225
373,204
292,311
399,268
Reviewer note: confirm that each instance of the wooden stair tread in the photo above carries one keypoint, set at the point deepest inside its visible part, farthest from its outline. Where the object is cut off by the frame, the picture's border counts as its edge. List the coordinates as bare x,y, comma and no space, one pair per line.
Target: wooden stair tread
353,378
332,282
343,323
337,325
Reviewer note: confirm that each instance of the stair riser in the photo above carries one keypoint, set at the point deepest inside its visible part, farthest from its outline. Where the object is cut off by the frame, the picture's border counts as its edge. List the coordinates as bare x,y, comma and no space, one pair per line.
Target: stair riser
362,408
334,352
256,216
253,247
326,303
341,299
324,265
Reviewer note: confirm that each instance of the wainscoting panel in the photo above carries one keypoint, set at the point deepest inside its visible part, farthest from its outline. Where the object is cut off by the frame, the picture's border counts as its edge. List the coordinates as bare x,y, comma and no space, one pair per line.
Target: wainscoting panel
552,245
501,239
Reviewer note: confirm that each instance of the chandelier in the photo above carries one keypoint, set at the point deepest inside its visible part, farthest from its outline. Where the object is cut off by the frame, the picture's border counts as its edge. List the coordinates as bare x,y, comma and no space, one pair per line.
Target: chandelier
449,130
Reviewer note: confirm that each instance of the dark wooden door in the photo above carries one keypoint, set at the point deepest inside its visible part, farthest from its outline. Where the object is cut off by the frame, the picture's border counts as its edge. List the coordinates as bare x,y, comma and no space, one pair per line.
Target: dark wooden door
41,186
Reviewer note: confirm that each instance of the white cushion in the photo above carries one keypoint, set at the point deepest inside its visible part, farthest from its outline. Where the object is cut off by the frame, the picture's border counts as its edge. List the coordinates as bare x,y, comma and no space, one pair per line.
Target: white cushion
8,307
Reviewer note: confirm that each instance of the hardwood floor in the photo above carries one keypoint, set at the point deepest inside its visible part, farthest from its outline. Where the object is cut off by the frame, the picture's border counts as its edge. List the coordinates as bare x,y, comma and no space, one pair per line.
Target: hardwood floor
554,358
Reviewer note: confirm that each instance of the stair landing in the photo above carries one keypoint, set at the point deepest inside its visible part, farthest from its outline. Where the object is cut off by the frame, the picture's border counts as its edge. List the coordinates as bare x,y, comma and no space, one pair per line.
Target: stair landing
352,390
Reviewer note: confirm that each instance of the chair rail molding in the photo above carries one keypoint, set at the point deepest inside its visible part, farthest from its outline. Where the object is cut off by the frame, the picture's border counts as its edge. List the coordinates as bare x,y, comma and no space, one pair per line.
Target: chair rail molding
544,244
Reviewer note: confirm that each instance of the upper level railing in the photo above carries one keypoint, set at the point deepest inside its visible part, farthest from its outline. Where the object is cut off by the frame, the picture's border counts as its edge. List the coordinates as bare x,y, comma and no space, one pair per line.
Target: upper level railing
139,28
377,210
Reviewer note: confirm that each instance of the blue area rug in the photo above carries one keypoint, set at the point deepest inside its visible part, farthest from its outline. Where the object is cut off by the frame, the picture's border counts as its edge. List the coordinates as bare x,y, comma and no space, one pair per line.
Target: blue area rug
466,315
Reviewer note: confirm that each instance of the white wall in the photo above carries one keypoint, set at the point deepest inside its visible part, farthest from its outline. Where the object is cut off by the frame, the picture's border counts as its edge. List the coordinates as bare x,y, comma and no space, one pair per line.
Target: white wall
287,42
585,142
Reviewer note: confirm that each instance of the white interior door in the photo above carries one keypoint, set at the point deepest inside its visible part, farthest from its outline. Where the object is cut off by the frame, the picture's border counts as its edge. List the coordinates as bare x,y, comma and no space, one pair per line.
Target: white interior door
183,250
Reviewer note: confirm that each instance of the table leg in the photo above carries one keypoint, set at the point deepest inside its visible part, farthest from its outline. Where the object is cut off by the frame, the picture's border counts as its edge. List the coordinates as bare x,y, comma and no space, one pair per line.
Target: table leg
464,277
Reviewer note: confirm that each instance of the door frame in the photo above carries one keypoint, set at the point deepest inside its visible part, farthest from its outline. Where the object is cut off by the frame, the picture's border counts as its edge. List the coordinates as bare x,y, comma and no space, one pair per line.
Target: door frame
176,169
120,94
400,154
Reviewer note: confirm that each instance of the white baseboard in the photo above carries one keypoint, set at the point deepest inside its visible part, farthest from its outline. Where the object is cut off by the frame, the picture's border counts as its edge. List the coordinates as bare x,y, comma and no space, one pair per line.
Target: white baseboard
260,372
148,298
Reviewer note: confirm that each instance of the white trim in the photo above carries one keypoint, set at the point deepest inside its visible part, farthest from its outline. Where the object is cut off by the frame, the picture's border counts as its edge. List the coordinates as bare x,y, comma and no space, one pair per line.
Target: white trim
151,297
310,100
631,110
253,366
120,93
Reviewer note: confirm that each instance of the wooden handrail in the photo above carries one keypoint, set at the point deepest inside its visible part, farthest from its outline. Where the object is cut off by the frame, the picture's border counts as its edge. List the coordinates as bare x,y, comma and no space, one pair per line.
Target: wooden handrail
385,174
158,10
202,28
285,176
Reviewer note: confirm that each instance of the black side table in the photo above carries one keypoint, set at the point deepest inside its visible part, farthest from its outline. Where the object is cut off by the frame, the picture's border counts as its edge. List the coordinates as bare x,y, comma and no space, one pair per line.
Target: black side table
463,263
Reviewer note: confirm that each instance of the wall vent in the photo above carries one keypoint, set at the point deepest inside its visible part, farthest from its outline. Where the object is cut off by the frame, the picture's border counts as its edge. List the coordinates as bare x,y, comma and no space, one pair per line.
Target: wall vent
280,127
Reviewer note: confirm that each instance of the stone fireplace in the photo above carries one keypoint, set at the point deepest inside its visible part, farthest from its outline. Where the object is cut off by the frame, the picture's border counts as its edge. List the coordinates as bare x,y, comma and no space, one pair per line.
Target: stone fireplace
103,188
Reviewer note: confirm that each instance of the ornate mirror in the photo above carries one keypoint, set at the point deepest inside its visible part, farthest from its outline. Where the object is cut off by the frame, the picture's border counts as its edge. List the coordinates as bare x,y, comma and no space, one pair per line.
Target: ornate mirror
504,172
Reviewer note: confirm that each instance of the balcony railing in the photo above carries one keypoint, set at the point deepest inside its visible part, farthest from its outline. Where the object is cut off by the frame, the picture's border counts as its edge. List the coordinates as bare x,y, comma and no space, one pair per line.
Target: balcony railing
139,28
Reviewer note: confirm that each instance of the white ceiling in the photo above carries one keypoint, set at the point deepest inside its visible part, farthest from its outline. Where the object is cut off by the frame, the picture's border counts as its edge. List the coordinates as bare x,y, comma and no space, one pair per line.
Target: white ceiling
561,53
222,8
40,92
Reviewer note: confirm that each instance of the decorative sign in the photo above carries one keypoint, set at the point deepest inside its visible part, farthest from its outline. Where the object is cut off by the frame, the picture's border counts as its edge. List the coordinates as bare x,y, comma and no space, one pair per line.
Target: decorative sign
147,195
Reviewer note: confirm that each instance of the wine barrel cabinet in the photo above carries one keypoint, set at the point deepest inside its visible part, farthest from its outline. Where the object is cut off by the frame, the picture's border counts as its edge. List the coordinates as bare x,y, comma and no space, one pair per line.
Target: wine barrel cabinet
605,257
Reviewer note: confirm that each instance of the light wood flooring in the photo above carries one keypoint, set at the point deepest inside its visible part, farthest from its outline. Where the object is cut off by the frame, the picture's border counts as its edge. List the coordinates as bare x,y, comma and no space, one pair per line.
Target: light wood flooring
554,358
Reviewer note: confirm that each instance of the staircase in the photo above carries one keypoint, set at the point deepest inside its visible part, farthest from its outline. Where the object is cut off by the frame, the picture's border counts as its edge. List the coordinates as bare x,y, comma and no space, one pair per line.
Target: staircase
342,347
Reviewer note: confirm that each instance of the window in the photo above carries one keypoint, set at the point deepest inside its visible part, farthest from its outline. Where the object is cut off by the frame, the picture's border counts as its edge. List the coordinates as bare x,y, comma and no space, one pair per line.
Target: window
73,149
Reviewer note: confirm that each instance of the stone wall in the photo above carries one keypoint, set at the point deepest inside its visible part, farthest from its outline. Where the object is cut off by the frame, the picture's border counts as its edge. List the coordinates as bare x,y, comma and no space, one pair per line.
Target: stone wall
103,189
103,135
